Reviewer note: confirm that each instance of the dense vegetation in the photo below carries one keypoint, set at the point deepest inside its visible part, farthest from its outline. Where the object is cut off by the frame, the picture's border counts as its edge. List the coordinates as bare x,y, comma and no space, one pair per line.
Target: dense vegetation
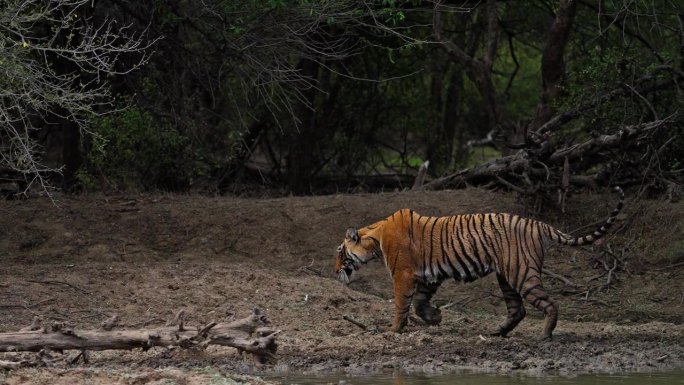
311,96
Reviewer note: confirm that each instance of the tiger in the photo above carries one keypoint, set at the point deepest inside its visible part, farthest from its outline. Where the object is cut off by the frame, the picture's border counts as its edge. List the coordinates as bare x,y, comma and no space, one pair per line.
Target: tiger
421,252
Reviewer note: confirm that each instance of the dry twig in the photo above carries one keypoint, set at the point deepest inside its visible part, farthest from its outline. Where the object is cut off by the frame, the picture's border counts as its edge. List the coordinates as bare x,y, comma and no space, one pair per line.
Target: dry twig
355,322
560,278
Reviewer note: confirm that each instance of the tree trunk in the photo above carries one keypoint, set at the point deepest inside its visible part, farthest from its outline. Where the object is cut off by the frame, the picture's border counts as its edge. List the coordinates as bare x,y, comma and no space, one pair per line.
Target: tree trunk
441,139
435,152
71,153
478,70
242,152
553,67
452,113
303,138
72,157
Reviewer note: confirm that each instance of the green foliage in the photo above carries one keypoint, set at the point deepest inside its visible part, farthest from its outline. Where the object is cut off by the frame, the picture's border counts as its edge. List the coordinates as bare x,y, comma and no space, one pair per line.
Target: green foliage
523,93
131,149
383,89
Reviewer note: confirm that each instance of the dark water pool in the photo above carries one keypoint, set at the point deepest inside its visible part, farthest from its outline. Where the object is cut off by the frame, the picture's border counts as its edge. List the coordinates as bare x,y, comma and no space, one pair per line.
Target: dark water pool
667,378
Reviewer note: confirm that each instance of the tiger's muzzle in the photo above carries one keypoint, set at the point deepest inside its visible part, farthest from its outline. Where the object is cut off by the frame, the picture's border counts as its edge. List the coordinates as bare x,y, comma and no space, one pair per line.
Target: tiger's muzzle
344,274
346,266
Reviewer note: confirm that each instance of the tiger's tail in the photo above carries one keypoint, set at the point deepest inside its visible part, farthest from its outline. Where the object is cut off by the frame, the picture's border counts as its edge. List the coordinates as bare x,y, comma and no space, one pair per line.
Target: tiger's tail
567,239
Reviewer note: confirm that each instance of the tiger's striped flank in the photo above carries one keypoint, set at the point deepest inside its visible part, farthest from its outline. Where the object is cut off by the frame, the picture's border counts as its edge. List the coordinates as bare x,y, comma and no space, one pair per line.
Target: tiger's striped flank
421,252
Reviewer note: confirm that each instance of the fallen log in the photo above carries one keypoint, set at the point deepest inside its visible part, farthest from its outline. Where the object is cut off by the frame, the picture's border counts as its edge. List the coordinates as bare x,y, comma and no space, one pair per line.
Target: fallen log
517,162
247,335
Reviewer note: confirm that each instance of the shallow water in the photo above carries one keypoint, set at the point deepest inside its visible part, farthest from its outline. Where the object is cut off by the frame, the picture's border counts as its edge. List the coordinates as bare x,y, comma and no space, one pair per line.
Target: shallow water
666,378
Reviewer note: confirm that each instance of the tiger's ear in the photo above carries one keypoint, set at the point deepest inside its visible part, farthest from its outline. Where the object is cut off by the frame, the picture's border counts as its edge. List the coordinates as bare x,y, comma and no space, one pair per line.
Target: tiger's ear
352,234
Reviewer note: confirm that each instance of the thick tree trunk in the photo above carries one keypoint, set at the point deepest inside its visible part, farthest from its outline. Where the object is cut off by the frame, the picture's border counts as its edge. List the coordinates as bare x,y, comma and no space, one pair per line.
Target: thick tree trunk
435,151
478,70
553,67
452,113
243,151
440,143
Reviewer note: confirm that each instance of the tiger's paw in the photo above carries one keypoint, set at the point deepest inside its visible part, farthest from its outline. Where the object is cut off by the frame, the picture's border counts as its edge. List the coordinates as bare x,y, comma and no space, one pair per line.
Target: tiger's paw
395,329
430,315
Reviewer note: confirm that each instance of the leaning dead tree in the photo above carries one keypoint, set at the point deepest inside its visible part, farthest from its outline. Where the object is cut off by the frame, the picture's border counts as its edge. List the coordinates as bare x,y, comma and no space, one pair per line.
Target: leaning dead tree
526,166
250,335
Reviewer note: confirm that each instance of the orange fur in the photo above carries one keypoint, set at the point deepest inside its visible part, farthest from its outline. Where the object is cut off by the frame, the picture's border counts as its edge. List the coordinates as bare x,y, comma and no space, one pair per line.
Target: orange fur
421,252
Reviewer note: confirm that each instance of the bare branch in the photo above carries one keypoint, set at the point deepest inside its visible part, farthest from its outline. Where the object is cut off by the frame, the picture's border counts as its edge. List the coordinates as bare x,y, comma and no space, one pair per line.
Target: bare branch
35,90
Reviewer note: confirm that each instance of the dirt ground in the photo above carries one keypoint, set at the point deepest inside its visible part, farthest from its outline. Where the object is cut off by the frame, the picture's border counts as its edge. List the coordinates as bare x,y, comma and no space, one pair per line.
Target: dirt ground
144,257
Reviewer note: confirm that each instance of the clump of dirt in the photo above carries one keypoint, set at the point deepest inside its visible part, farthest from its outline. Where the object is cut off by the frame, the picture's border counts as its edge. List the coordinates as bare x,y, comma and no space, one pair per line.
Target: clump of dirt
144,257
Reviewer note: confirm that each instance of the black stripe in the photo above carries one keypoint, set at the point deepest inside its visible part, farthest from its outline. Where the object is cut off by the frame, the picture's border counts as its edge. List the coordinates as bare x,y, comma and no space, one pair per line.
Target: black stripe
515,219
462,243
530,289
422,245
503,240
536,302
528,243
432,237
473,238
410,229
440,261
495,236
496,233
540,233
482,236
519,244
507,257
394,265
487,244
549,232
447,256
524,279
536,240
457,254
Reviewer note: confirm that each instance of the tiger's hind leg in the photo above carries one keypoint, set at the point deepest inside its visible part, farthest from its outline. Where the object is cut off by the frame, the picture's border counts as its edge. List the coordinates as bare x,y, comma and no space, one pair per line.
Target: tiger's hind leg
514,304
534,293
421,301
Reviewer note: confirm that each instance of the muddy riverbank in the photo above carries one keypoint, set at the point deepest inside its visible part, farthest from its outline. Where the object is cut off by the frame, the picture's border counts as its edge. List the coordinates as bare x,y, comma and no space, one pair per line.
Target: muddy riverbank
147,256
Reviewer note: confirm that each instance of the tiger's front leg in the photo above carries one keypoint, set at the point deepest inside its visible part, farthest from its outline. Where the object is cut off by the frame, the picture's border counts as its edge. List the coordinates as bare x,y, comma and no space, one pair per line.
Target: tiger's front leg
404,290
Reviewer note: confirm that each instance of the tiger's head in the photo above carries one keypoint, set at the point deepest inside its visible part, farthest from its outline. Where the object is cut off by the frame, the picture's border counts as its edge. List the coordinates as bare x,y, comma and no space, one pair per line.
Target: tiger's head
355,250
